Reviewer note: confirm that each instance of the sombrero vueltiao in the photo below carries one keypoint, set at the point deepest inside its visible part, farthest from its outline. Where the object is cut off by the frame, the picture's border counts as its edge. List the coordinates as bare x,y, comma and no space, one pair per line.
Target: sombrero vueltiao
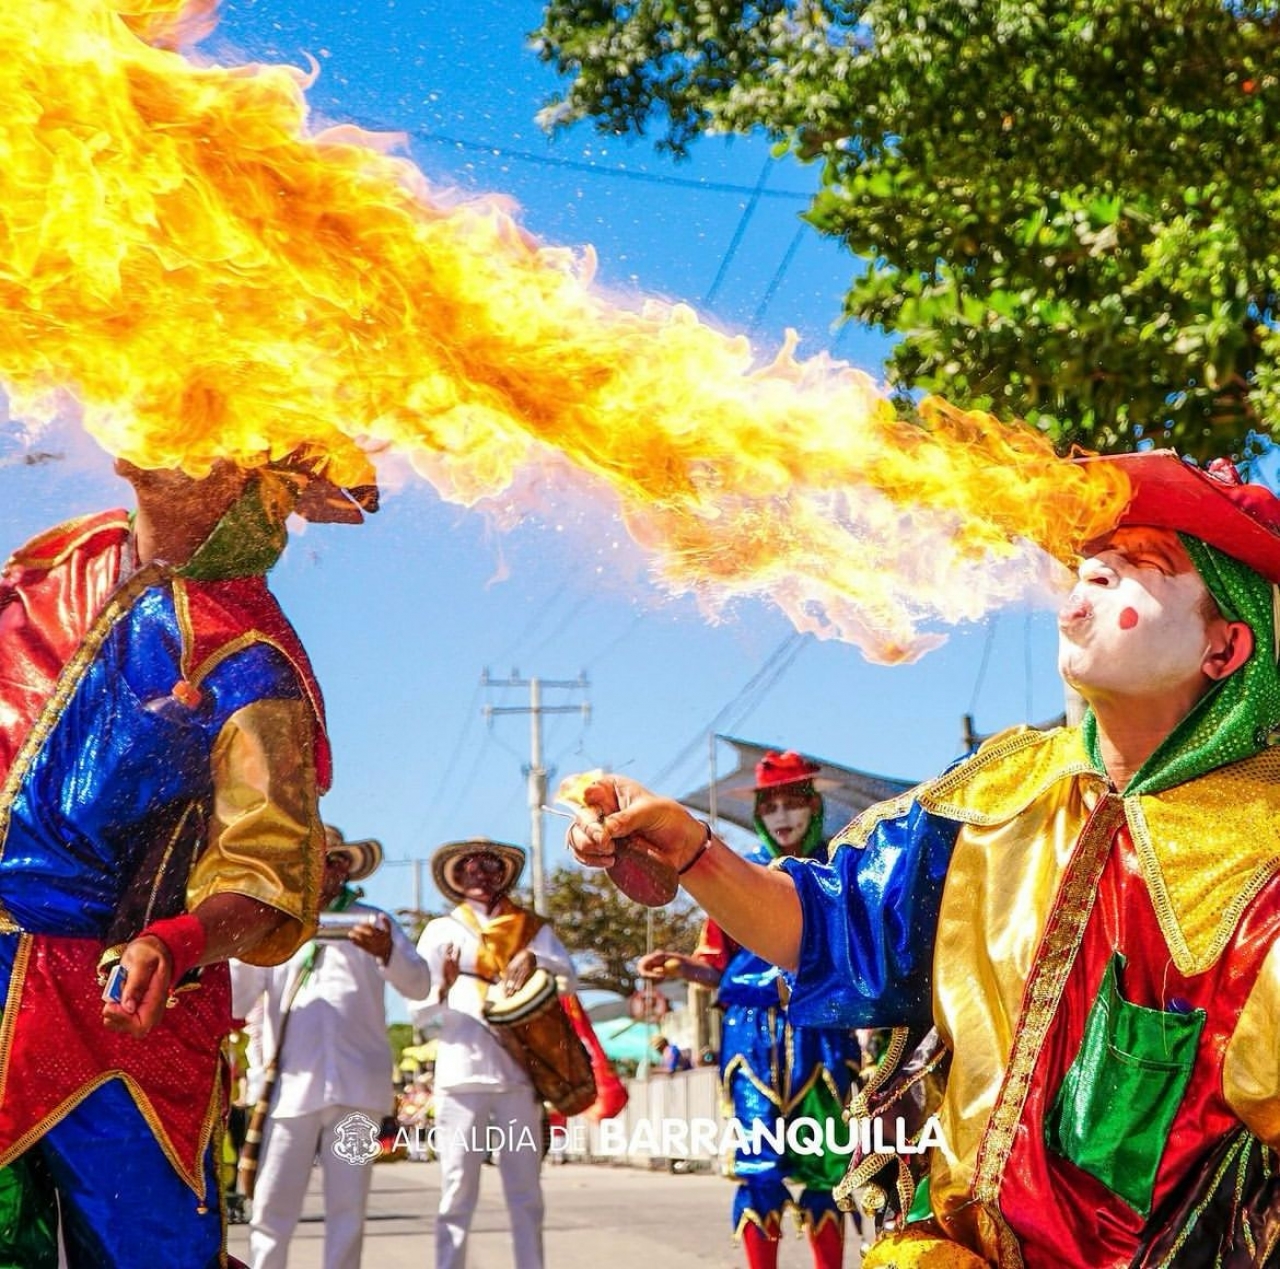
444,863
1214,505
365,855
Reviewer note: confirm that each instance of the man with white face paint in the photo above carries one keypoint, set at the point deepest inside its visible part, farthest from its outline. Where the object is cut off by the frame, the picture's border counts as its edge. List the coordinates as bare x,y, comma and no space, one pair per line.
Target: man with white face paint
770,1069
1088,916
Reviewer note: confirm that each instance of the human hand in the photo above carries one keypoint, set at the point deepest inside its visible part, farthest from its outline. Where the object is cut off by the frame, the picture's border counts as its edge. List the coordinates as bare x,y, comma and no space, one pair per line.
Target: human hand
449,969
519,968
661,964
373,937
148,966
621,815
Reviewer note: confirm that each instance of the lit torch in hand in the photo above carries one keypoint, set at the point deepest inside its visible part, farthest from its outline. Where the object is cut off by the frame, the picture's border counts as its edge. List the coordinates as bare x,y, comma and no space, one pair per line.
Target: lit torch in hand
635,872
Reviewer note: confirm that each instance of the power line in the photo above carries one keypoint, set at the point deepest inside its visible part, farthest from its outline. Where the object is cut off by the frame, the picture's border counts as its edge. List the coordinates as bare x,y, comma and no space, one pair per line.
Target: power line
465,787
580,165
740,229
770,683
776,281
454,753
777,655
559,628
534,622
982,665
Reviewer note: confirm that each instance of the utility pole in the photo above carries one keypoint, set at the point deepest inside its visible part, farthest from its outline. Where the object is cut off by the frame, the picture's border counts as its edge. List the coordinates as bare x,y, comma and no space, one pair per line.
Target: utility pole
535,771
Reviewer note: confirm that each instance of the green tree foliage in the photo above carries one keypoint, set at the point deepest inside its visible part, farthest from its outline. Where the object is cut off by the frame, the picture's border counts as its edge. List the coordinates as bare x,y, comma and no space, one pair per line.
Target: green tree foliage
1068,210
400,1037
606,931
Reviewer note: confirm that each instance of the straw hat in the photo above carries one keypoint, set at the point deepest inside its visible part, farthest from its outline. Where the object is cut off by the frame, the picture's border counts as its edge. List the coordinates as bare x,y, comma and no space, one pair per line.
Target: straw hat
445,863
365,855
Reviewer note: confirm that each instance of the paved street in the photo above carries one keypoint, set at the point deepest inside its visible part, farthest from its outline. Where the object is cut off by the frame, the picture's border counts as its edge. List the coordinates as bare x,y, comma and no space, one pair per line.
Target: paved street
621,1217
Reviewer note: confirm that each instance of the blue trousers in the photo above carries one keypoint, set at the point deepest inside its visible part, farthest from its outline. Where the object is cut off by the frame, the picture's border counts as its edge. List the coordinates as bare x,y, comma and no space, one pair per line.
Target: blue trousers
122,1205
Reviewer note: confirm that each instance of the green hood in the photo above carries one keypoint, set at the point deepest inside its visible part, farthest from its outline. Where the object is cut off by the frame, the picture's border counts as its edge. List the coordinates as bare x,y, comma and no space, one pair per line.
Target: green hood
1240,715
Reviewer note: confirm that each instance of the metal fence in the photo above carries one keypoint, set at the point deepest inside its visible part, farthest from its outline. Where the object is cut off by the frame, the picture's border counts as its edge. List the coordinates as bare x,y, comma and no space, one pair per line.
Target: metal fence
677,1119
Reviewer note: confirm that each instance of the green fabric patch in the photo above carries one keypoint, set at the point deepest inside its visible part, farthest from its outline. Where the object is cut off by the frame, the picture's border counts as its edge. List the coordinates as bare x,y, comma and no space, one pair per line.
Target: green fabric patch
1118,1099
1240,715
246,542
818,1171
921,1204
28,1216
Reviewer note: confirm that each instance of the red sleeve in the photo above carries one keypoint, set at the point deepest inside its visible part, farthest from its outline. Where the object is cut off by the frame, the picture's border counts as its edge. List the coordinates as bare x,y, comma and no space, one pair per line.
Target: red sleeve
715,947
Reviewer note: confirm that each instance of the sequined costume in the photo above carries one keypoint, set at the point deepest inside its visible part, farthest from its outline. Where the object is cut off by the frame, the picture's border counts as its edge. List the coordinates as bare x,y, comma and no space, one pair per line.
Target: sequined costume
161,740
771,1069
1103,967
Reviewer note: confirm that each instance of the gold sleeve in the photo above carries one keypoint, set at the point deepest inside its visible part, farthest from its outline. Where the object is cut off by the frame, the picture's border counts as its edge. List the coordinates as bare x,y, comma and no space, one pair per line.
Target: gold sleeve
1251,1068
266,840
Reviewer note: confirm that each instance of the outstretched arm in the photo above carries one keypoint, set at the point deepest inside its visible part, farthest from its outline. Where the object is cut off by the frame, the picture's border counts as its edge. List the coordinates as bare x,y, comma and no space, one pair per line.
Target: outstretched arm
664,964
756,906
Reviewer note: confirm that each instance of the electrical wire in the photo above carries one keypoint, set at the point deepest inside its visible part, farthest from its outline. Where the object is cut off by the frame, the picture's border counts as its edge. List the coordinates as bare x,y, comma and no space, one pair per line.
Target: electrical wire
739,231
581,165
982,665
716,724
776,281
518,643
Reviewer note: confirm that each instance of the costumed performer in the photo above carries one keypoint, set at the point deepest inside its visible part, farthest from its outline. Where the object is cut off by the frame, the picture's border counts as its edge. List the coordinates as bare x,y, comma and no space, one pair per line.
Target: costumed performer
1087,915
162,747
771,1069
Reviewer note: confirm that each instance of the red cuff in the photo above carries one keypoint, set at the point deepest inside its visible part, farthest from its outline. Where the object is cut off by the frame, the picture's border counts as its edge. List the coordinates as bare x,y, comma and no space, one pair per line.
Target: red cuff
184,936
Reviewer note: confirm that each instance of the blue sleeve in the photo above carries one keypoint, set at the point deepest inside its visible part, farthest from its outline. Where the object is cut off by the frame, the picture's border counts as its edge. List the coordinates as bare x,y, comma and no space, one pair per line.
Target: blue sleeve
870,923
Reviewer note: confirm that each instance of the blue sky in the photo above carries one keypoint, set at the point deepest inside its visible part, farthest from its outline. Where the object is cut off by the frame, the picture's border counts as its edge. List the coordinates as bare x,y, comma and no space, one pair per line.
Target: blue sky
404,615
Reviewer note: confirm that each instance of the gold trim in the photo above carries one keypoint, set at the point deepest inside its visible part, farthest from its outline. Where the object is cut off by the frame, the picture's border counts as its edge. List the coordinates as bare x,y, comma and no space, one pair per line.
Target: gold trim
858,831
164,861
739,1062
751,1217
195,1182
1053,964
113,611
186,632
17,982
102,522
245,640
1188,963
1057,766
860,1102
17,976
1194,1215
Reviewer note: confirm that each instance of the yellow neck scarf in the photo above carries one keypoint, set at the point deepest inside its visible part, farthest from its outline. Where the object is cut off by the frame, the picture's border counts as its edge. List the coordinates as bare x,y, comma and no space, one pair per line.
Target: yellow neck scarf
509,929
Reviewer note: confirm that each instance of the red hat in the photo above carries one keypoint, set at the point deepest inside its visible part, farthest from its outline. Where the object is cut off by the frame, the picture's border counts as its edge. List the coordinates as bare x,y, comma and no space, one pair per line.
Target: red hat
1214,505
777,769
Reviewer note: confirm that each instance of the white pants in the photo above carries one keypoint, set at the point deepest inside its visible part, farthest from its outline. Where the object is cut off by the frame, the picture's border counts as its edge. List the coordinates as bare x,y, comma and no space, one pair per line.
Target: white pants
515,1120
289,1147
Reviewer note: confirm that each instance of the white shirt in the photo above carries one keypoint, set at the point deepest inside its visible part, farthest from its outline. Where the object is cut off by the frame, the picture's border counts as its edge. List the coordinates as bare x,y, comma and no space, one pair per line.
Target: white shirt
468,1058
336,1051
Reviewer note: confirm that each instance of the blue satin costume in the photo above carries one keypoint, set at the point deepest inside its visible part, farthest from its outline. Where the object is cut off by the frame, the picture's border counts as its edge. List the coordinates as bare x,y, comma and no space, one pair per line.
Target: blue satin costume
771,1068
871,925
119,787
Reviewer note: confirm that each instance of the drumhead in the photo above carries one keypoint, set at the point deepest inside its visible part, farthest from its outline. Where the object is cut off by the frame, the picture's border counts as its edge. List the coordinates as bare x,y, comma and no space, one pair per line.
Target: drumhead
503,1010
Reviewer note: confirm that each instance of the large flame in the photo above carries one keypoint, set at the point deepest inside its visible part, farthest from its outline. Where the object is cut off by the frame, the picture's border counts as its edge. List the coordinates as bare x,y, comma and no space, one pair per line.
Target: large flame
572,787
211,280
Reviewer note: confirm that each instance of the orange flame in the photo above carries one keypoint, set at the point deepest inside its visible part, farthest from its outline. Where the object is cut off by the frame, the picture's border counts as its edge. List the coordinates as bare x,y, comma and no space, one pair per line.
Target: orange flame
211,280
572,787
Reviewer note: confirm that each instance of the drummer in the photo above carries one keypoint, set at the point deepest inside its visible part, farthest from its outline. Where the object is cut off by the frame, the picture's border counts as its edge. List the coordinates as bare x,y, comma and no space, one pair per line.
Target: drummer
485,947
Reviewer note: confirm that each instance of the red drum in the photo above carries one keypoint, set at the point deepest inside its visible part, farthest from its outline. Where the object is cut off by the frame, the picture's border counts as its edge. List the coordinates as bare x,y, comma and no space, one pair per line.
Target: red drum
532,1026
